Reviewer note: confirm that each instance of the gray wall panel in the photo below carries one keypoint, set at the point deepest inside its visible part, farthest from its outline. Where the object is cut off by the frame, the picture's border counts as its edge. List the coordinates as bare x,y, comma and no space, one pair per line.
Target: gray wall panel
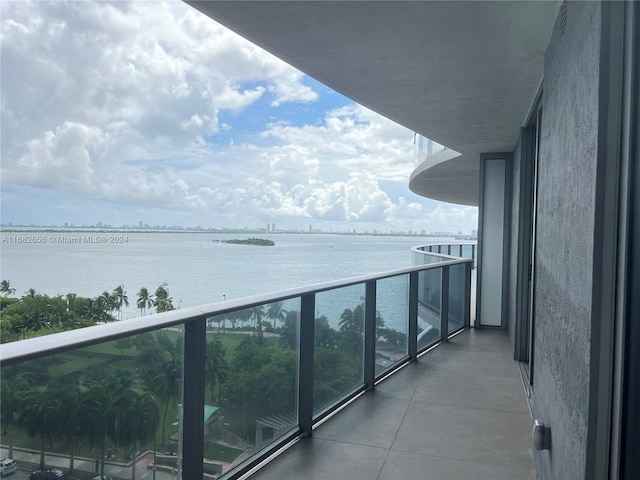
564,258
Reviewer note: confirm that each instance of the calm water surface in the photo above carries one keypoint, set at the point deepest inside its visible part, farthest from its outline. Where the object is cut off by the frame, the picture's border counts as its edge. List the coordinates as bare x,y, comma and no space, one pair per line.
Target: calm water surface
198,270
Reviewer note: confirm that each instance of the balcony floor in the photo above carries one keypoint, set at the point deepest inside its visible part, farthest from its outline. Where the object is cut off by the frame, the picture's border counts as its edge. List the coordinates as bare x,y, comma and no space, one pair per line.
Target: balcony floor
460,412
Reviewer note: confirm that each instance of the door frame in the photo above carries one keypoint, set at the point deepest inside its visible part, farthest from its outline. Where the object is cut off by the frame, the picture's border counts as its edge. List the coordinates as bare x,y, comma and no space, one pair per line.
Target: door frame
525,277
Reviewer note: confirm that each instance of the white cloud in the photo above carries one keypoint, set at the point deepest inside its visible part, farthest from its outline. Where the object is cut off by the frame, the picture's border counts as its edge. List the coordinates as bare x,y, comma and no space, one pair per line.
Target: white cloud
61,159
163,70
353,139
118,102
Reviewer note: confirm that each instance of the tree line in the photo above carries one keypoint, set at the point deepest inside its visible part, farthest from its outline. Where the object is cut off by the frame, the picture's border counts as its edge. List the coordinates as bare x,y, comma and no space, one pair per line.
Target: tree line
35,313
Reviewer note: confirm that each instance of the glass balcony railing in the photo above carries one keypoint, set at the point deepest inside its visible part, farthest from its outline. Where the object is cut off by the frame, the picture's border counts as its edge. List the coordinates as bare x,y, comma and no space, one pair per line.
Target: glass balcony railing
425,255
433,287
214,390
427,149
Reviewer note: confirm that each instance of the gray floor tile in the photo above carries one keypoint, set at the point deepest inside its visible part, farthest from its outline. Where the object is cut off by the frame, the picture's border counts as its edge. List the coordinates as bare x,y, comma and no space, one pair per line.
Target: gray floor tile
483,340
485,436
403,383
412,466
372,420
473,390
318,459
458,358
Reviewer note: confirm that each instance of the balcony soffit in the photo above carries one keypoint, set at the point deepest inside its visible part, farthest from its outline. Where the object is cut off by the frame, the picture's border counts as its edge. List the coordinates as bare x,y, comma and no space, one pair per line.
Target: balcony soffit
461,73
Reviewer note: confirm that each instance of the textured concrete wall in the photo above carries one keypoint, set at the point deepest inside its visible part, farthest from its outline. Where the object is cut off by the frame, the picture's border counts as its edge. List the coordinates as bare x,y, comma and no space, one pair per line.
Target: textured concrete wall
513,254
564,253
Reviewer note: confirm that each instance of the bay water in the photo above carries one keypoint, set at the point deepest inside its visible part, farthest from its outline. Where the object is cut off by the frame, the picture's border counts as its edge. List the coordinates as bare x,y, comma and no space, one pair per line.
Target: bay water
197,269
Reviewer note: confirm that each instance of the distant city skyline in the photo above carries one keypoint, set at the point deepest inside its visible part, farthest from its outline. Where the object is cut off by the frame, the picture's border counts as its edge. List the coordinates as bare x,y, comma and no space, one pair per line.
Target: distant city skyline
11,227
132,111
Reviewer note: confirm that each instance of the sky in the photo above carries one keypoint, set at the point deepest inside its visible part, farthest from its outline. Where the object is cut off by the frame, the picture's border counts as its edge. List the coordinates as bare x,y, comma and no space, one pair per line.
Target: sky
144,111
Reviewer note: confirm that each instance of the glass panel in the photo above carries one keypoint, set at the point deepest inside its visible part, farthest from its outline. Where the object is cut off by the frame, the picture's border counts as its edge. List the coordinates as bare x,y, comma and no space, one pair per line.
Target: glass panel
467,251
251,373
456,297
429,295
427,259
339,344
104,409
392,316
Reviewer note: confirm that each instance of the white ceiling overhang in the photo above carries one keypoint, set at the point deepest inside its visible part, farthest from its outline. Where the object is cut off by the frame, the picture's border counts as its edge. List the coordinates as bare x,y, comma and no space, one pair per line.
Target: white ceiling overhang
464,74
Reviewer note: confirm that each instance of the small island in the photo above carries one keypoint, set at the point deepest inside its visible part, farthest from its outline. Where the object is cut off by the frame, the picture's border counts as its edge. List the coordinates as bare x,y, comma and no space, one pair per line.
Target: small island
263,242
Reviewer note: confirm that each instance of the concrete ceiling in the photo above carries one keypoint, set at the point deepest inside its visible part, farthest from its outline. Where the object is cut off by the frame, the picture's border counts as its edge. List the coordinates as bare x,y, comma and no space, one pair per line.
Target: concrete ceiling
464,74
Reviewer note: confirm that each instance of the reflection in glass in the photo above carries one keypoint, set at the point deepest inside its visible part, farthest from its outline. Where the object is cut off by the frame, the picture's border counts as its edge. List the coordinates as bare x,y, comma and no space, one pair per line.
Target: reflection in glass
339,344
429,297
251,374
392,314
97,407
456,297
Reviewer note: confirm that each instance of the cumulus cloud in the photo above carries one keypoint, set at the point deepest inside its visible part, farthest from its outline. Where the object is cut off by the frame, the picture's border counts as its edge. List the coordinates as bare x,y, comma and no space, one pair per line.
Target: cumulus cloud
141,104
353,138
162,72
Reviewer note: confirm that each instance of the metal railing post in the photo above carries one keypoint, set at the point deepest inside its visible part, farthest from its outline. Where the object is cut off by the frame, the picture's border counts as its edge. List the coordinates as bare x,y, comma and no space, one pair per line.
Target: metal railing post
412,340
370,335
467,293
191,419
444,303
305,370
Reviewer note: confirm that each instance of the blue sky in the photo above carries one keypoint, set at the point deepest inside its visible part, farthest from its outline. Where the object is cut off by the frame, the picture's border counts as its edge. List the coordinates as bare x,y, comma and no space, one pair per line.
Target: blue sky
125,112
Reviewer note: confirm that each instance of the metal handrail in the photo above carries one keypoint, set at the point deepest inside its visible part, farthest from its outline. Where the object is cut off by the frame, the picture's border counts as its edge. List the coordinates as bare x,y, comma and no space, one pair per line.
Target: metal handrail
33,348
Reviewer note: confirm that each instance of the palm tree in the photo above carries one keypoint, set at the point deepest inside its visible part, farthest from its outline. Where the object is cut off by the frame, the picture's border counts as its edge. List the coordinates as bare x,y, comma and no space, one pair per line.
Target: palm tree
69,421
39,415
144,300
289,331
275,313
120,299
134,421
352,329
257,313
352,320
167,384
107,302
31,293
11,401
93,310
163,300
215,366
5,288
162,293
99,404
71,300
